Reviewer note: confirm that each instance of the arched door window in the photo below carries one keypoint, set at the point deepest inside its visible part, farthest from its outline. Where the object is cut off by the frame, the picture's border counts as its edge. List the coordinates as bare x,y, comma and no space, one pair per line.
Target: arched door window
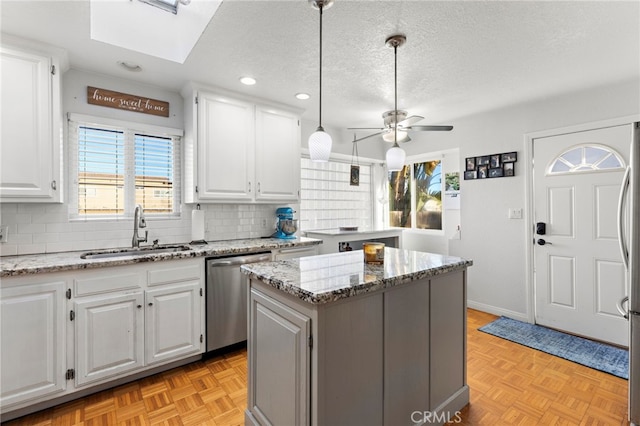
586,158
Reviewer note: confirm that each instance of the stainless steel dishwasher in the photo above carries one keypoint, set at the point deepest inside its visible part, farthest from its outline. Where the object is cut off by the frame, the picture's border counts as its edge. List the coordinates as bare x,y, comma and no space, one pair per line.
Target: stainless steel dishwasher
227,299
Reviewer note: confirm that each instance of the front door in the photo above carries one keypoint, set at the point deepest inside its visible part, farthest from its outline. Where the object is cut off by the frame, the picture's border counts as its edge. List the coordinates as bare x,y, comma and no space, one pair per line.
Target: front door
579,275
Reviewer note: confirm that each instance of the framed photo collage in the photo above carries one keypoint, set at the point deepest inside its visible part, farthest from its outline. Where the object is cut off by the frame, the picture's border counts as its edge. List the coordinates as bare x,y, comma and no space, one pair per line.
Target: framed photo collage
490,166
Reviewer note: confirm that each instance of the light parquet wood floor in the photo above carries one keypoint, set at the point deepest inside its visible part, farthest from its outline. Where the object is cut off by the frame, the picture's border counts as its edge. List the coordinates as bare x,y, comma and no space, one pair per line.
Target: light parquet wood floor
510,385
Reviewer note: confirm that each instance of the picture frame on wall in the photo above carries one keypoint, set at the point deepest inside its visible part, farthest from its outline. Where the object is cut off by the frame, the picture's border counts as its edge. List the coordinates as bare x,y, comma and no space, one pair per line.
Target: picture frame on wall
497,172
490,166
494,161
482,161
509,157
508,169
471,164
470,174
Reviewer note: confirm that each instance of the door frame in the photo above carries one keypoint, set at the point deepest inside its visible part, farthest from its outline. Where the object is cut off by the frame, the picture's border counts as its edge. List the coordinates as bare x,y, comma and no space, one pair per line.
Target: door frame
529,192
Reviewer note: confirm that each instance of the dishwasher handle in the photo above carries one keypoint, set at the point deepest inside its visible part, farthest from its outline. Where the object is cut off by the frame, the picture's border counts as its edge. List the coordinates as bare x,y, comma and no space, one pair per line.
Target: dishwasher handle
239,260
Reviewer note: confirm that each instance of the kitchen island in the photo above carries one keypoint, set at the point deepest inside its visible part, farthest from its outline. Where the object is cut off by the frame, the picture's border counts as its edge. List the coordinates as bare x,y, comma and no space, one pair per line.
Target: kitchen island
335,341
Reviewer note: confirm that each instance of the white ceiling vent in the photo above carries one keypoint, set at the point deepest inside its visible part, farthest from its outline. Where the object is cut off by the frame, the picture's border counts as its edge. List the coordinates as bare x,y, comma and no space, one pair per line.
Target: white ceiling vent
134,25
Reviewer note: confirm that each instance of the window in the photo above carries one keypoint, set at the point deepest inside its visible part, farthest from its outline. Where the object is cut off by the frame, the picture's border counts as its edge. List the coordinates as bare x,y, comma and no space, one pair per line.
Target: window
114,166
328,201
415,196
586,158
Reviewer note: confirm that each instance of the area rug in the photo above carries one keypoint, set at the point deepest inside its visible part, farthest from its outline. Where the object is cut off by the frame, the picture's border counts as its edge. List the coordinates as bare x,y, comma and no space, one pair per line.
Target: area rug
592,354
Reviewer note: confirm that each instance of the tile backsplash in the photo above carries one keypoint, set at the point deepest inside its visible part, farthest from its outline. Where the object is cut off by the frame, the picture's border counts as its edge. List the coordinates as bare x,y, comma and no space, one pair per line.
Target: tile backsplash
46,228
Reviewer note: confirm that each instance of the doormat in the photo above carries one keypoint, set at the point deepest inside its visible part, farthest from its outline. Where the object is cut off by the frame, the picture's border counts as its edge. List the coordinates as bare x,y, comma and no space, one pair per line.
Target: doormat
583,351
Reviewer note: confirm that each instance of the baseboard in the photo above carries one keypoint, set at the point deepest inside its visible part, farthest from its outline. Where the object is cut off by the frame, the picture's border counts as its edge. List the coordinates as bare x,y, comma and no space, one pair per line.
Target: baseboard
497,311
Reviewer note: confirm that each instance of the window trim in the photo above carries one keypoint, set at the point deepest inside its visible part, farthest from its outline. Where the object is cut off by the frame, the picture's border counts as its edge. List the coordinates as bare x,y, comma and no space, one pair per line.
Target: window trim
128,127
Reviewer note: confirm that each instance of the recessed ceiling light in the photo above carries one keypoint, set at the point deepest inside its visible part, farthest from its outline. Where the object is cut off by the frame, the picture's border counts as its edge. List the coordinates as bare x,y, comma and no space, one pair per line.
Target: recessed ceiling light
249,81
130,66
302,96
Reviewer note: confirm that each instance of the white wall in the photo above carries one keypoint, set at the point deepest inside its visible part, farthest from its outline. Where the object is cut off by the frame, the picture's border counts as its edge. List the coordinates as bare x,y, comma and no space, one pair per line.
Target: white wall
497,245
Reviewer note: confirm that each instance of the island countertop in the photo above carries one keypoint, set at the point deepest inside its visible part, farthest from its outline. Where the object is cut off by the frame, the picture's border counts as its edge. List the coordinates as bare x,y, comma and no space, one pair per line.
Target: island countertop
330,277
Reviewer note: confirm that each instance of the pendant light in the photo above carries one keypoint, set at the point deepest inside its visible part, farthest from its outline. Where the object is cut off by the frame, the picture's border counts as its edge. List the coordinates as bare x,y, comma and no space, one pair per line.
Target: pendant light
395,154
320,141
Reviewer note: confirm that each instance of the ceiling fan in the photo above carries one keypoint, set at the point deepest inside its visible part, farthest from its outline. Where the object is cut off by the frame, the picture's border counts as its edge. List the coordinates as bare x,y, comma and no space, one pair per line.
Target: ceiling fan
396,123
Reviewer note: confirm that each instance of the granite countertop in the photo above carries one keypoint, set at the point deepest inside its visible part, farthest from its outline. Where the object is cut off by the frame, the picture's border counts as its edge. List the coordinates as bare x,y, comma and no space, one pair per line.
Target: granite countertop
65,261
327,278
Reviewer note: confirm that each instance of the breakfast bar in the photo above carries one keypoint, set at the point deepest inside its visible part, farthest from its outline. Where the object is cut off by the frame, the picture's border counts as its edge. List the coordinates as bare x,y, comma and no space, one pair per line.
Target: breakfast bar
334,340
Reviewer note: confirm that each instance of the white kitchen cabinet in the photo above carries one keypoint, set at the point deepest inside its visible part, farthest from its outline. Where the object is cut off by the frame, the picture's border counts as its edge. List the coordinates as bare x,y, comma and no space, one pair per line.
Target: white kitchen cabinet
109,336
172,322
225,148
132,317
239,150
31,148
277,151
280,362
33,362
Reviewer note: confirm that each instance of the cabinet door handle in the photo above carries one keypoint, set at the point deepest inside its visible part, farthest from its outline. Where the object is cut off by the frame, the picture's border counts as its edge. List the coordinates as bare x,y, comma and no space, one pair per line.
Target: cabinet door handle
258,187
249,186
150,303
139,306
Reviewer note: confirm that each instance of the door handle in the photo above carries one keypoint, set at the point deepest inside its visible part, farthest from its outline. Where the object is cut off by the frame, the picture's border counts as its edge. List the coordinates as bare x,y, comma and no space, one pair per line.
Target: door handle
624,189
542,242
621,309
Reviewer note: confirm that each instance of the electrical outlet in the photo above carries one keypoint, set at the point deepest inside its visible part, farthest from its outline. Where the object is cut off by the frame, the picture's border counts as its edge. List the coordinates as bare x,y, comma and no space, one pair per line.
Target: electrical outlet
4,233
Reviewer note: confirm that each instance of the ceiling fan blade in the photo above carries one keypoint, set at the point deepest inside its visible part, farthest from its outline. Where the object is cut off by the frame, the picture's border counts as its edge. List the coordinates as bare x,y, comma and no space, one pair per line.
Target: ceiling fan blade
369,136
410,120
366,128
430,128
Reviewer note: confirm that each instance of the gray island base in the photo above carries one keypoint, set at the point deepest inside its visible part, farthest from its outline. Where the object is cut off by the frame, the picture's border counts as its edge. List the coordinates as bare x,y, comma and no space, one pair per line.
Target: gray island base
334,341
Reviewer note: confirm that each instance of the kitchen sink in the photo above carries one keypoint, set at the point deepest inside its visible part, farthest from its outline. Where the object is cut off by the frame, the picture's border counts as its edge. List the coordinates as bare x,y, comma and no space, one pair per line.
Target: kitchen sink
103,254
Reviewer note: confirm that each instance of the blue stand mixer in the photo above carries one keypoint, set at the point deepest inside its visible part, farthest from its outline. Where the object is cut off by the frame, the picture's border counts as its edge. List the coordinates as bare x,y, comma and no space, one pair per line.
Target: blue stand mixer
286,225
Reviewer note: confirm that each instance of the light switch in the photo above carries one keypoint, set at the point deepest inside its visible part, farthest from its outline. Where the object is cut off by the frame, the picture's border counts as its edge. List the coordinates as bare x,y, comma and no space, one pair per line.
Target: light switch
515,213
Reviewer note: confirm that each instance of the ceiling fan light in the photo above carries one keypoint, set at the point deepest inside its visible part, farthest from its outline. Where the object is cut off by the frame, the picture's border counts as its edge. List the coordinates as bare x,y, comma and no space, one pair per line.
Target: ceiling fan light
402,135
395,159
320,146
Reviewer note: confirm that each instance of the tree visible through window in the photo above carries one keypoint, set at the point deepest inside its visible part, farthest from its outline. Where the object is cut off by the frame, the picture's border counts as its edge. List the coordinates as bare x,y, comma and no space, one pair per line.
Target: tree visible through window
415,194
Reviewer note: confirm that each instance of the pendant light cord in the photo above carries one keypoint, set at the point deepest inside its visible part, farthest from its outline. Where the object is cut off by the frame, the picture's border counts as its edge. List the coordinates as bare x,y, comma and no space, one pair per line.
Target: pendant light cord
320,96
395,92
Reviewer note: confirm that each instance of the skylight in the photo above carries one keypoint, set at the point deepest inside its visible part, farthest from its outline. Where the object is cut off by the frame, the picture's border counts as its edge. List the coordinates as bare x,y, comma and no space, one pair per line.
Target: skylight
150,30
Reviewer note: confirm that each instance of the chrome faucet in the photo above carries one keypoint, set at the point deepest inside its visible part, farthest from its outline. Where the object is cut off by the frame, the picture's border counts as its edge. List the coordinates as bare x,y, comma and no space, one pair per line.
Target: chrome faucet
138,222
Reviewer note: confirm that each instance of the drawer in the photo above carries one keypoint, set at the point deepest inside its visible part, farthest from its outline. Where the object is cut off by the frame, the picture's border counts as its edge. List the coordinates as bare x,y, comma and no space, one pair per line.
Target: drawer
178,271
107,282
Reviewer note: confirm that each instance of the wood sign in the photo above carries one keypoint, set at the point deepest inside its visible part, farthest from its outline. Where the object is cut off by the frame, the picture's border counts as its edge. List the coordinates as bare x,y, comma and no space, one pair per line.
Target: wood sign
119,100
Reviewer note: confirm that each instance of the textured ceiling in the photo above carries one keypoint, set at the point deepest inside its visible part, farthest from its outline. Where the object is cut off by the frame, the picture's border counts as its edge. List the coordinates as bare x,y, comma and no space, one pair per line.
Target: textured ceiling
460,57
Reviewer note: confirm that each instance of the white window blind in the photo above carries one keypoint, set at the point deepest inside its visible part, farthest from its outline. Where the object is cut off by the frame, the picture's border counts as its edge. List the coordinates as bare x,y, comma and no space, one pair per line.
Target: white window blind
101,171
328,200
114,166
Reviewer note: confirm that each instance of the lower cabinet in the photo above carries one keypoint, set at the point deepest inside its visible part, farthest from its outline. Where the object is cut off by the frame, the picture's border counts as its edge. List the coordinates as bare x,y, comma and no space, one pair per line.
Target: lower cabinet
279,363
172,322
109,336
386,357
96,326
32,319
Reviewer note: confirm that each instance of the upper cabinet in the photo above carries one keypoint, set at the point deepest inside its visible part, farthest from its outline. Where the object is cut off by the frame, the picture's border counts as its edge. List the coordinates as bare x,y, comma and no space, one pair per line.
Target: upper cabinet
238,150
31,148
